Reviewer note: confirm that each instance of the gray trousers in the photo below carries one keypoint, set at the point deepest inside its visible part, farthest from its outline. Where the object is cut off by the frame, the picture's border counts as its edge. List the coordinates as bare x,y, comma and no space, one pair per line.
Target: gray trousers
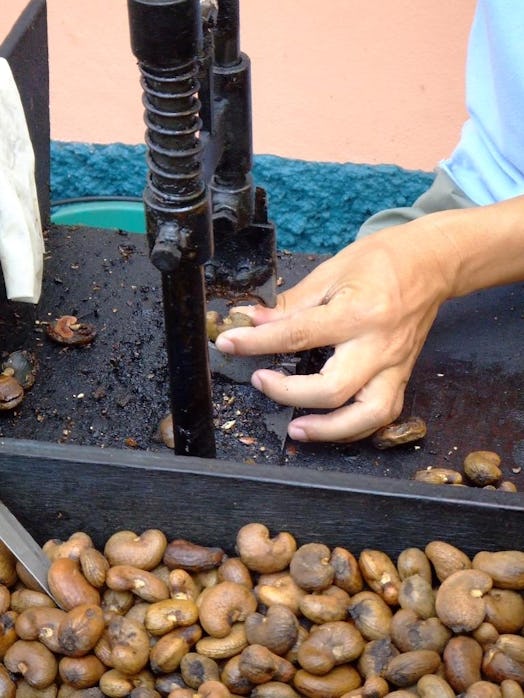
442,195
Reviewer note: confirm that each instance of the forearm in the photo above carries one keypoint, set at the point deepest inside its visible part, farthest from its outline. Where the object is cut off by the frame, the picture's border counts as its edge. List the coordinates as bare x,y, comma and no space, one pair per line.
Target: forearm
480,247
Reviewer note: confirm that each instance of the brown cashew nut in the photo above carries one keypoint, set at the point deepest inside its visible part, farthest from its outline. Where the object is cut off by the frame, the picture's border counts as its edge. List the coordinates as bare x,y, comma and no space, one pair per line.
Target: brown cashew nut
116,683
486,634
274,689
505,567
80,630
375,657
410,632
22,599
213,689
163,616
347,572
371,615
191,557
460,603
329,645
197,669
40,623
233,679
8,633
34,662
311,567
7,685
433,686
224,647
11,393
81,672
119,602
279,588
498,666
414,561
225,604
417,594
5,598
127,548
505,610
462,662
512,645
72,547
8,574
374,687
511,689
169,650
411,429
482,468
326,606
277,629
94,567
407,668
334,684
232,569
259,665
68,330
380,574
128,643
446,558
144,584
26,579
483,689
69,586
182,585
261,553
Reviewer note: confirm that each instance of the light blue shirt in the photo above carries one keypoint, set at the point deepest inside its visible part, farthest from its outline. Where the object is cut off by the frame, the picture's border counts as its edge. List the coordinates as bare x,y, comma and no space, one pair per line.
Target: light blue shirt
488,162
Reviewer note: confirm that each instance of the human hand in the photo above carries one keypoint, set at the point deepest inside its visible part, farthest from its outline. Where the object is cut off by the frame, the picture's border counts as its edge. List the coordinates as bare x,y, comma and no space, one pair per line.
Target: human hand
374,302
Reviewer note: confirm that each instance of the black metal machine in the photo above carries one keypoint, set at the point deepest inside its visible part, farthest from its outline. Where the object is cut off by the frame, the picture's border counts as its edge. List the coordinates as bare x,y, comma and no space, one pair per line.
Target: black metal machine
207,223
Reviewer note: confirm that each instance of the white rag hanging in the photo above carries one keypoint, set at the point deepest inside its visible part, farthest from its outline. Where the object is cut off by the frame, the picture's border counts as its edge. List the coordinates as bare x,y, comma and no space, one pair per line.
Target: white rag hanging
21,240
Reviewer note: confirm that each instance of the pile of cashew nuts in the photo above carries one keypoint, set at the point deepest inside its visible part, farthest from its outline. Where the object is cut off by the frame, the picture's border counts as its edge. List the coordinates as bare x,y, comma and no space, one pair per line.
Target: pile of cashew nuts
149,618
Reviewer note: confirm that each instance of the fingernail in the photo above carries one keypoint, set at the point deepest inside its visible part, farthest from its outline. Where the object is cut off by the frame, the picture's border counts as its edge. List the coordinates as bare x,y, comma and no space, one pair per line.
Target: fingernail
256,382
296,433
224,345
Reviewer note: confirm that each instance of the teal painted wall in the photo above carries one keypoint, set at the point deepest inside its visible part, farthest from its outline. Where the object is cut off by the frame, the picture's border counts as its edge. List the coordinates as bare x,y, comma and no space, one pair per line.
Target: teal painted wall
316,206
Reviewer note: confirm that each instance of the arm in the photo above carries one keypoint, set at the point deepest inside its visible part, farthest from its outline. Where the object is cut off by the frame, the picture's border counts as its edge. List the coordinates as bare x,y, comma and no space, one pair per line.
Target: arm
375,302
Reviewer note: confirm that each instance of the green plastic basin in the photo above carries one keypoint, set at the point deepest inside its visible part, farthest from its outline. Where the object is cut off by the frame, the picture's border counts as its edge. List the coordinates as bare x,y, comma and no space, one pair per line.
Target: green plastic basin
119,215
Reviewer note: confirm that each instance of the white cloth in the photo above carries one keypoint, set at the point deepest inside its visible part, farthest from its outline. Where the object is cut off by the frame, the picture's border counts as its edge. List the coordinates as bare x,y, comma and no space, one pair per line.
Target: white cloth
488,163
21,239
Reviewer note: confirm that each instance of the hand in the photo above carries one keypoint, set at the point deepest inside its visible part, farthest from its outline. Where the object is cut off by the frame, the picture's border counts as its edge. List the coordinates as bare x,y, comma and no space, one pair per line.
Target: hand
374,302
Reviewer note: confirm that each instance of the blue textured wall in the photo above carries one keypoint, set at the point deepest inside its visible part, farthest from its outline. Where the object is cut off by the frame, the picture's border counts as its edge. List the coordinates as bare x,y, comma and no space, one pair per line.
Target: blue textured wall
316,206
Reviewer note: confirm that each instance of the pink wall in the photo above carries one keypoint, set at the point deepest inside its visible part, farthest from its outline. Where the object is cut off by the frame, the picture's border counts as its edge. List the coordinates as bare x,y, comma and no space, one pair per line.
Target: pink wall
371,81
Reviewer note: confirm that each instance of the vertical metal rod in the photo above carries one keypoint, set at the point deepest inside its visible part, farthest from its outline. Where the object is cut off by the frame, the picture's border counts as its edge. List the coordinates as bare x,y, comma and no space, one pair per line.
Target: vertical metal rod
227,33
166,37
190,378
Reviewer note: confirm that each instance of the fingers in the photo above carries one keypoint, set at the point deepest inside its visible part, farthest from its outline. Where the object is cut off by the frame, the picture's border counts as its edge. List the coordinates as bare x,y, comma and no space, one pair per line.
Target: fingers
330,388
321,325
378,404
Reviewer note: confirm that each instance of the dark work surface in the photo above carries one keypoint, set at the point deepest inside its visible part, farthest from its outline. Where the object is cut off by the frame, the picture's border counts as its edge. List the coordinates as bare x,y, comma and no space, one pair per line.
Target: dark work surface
467,384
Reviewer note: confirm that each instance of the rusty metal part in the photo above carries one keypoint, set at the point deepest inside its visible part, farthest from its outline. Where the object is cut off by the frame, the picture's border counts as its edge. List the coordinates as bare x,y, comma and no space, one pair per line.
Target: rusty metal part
244,262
